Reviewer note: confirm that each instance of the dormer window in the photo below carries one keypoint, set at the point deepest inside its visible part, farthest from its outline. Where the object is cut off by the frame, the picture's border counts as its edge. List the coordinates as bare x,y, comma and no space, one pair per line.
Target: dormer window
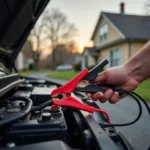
103,32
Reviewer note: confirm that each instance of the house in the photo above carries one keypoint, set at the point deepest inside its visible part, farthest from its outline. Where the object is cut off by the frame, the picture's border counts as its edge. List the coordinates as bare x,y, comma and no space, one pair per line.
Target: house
22,62
74,59
117,37
24,58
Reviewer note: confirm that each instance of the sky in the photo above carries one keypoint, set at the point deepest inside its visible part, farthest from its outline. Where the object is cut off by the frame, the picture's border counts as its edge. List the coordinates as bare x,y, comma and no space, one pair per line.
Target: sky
85,13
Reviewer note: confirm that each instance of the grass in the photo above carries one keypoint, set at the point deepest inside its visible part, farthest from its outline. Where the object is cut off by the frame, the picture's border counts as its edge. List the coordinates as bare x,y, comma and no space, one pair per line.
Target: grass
28,72
66,75
144,90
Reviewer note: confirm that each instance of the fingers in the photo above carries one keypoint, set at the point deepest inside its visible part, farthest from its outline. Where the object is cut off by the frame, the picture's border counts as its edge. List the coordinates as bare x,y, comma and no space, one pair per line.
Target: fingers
106,96
97,96
89,95
102,77
112,97
102,97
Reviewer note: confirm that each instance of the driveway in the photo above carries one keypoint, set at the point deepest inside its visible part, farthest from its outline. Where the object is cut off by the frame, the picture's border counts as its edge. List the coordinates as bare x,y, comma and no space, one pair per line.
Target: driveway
124,111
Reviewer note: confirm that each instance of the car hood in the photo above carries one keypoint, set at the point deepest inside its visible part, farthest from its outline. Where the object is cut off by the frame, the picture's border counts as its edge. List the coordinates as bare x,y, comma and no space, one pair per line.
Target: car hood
17,18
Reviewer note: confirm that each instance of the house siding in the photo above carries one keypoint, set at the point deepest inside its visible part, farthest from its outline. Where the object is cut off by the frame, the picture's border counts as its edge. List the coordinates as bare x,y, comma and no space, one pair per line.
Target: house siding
105,54
136,46
92,61
23,62
19,61
124,51
112,34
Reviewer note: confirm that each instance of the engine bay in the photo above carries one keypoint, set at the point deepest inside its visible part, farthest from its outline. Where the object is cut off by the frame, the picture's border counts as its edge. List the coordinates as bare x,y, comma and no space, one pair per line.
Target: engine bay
45,123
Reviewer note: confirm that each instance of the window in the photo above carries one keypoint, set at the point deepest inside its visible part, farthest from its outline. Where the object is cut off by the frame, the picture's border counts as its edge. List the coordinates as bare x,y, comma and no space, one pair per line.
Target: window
103,32
115,57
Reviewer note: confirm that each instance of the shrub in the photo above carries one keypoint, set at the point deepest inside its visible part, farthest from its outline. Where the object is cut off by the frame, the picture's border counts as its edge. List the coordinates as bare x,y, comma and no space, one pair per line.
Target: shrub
77,67
31,66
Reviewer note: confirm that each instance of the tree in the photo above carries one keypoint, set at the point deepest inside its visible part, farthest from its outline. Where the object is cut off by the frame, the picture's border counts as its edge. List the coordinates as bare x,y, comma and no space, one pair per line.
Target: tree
53,27
147,7
58,30
27,49
35,38
63,54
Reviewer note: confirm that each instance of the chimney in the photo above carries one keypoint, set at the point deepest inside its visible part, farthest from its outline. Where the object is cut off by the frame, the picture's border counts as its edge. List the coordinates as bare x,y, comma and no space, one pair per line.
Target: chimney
122,8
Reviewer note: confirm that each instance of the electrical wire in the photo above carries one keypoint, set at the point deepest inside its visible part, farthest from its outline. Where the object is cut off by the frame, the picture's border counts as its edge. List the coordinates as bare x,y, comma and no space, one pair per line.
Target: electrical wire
21,115
136,119
145,103
41,106
105,113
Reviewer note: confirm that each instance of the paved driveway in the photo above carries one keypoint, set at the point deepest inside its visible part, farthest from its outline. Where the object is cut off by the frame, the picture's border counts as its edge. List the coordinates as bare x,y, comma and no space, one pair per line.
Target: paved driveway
124,111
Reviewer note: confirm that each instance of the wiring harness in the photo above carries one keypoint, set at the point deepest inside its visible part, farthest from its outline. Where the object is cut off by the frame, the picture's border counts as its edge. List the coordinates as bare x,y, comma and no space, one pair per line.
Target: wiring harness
22,114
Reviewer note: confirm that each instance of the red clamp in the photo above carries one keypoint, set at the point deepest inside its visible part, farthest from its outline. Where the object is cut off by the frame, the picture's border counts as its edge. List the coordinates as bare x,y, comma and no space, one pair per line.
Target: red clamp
62,96
71,85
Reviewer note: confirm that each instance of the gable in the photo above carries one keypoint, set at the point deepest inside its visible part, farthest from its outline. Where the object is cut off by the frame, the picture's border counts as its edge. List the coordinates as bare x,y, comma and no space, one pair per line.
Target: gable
112,35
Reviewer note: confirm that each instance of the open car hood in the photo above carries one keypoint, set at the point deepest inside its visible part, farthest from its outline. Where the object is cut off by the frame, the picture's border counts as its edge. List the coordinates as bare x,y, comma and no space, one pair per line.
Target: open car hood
17,18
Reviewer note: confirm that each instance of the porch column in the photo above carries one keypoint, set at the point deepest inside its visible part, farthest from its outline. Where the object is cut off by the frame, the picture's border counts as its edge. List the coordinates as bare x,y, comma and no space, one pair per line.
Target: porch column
89,60
83,62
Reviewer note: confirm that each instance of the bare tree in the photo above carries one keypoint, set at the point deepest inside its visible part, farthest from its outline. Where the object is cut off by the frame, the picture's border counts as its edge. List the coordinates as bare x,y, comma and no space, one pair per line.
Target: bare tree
58,30
72,47
27,49
36,39
53,27
63,53
147,7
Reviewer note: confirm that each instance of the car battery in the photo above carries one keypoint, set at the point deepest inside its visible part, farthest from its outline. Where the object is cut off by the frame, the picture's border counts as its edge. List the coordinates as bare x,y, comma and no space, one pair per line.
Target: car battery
40,95
40,126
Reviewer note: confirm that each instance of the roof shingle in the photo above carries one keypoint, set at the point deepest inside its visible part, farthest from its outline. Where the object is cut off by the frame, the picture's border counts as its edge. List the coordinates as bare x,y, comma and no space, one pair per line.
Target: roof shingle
131,26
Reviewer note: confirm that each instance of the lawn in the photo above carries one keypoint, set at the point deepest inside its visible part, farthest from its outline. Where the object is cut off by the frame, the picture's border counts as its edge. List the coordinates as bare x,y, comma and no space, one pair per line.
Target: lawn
65,75
28,72
143,89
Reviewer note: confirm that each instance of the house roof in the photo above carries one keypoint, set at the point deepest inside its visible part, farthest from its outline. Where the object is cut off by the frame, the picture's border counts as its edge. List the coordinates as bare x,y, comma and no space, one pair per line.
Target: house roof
91,50
130,26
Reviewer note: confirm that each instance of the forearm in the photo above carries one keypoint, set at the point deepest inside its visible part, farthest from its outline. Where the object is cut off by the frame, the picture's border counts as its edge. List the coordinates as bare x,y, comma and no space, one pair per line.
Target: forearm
138,66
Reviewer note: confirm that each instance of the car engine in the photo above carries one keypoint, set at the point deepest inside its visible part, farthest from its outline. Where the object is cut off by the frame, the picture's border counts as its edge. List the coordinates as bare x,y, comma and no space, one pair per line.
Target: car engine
47,124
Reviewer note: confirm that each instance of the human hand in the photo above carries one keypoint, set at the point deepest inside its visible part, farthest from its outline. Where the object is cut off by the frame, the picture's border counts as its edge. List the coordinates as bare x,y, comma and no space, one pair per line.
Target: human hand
120,77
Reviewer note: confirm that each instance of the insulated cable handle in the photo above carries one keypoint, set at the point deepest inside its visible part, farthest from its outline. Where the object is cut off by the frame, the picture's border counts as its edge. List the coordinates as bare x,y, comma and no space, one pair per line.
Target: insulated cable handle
94,88
94,71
